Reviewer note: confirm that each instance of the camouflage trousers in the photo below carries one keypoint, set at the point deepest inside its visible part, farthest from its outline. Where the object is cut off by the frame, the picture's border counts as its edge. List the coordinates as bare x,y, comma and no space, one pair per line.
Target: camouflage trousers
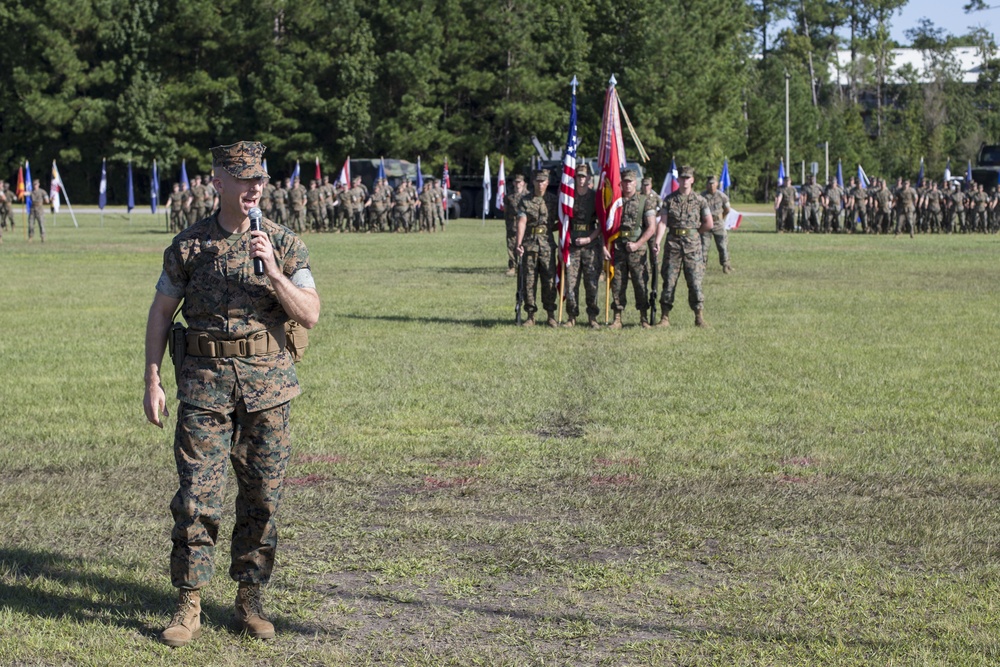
511,249
258,446
683,252
586,262
956,221
811,217
786,219
314,219
176,221
831,219
297,220
539,267
427,218
281,215
721,242
906,221
6,216
36,216
629,266
378,219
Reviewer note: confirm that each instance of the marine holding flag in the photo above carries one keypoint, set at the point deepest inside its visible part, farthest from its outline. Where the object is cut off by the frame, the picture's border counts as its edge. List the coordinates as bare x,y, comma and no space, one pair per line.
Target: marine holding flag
638,225
586,254
536,223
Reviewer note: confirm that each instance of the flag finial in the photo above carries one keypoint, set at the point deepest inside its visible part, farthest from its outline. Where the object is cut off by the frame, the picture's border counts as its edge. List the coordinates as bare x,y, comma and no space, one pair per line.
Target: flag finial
613,81
574,83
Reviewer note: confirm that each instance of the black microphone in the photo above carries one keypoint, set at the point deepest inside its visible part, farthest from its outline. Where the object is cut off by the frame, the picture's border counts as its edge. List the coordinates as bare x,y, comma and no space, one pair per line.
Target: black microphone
255,217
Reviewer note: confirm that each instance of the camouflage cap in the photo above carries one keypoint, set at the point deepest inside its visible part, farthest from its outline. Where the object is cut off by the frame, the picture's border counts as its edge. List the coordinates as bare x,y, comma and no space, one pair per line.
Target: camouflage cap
542,175
242,159
519,178
629,175
712,179
647,181
686,172
583,170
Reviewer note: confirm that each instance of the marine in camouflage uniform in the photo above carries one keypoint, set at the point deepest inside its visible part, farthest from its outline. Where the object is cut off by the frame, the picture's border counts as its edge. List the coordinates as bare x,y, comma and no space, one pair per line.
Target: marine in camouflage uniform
647,192
234,386
379,209
511,204
956,210
280,199
811,194
784,207
906,204
314,207
718,202
329,193
39,200
359,195
628,255
586,254
426,201
196,206
884,201
344,213
440,198
208,196
176,201
932,204
685,214
401,204
297,206
536,220
267,201
833,197
6,206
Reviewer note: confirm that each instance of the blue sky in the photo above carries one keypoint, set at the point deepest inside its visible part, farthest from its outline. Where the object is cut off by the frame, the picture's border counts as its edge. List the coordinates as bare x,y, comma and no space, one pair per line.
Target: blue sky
947,14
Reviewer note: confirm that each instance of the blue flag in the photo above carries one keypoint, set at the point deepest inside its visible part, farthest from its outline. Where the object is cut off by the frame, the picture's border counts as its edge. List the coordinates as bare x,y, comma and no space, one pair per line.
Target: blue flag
420,176
30,184
968,173
781,171
724,182
862,178
102,193
128,187
920,176
381,169
154,189
840,175
184,174
295,173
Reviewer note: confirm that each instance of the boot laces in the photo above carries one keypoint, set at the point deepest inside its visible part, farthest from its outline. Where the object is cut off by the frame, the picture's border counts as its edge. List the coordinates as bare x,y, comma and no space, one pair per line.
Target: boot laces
184,606
252,602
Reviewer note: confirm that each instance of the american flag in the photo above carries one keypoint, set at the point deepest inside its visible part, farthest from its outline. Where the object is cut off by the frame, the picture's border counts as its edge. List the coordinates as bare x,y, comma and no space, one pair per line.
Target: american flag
567,187
501,186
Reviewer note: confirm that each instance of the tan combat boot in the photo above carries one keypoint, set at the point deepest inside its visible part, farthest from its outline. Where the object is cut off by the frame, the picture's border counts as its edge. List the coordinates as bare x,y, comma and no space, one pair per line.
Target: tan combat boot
185,625
643,320
664,321
250,612
592,322
617,324
530,322
727,268
699,318
571,322
552,319
511,272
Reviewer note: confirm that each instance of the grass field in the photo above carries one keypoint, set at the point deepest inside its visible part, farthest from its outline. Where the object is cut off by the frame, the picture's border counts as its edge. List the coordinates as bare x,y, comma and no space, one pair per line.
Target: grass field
813,480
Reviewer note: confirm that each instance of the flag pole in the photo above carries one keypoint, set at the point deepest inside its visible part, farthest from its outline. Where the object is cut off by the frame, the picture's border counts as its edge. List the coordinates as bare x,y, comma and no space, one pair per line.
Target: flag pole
562,292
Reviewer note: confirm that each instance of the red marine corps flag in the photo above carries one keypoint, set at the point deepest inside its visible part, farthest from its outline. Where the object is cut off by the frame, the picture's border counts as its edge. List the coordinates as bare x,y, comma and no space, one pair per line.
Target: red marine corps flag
610,158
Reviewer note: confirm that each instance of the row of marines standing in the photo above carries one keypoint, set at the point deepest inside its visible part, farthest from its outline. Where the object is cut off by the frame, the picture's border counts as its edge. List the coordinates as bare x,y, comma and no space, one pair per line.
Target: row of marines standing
684,218
880,210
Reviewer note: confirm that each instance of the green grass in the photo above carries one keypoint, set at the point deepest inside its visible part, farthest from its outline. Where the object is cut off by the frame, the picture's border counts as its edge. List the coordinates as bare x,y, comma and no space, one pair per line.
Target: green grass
812,480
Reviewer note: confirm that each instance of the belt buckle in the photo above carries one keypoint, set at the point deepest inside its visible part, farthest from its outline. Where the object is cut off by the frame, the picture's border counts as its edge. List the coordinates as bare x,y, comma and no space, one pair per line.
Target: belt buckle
241,347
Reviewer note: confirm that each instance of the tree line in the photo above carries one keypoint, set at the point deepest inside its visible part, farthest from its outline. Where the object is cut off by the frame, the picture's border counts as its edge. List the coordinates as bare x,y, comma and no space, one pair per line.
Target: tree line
138,80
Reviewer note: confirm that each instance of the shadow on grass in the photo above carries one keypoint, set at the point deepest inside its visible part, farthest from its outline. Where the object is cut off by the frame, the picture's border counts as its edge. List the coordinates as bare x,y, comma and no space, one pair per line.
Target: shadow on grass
473,270
646,630
477,323
88,596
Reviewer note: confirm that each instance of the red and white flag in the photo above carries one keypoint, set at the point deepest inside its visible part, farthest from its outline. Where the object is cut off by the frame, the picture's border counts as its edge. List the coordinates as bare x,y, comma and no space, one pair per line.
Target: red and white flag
319,177
670,184
55,187
345,173
610,158
734,219
501,186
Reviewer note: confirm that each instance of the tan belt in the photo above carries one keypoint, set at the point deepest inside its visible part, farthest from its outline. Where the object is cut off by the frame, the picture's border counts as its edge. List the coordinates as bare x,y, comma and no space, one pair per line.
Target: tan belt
204,344
581,228
539,230
629,234
683,232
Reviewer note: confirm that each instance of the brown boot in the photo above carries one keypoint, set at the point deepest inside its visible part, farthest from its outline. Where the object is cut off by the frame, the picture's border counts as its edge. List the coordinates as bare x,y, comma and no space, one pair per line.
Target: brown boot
727,268
643,320
571,322
699,318
185,625
511,272
617,324
664,321
250,612
530,322
592,322
552,319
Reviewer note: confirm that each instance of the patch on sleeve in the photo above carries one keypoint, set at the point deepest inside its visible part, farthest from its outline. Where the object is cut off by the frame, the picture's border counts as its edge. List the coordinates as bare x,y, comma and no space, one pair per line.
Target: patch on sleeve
303,278
167,288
